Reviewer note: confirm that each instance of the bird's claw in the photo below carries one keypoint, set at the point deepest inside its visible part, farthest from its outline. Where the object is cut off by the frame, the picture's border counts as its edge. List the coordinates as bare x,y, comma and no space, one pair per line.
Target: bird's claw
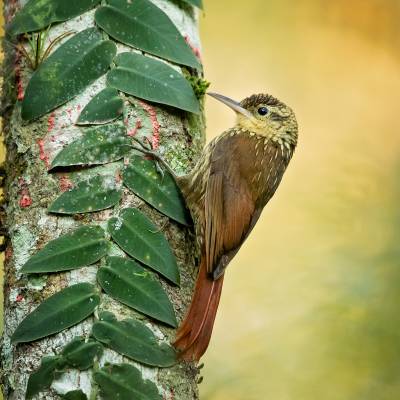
144,144
159,162
159,168
147,150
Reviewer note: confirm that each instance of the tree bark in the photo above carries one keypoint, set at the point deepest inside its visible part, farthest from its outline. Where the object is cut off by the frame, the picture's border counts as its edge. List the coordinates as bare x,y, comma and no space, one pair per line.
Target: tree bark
30,189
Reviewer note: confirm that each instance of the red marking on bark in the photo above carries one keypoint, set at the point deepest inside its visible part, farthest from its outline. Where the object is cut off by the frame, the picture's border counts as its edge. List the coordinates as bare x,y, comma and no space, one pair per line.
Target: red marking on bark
8,253
65,183
118,176
126,121
51,122
71,111
20,87
195,49
42,154
18,77
19,298
155,142
133,131
25,200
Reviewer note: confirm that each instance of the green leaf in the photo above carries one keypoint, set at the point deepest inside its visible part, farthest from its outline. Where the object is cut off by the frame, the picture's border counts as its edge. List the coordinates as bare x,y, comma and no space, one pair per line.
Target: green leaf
143,179
129,283
125,382
80,353
143,25
67,72
60,311
152,80
197,3
99,145
104,107
94,194
42,378
37,14
77,249
141,239
74,395
134,340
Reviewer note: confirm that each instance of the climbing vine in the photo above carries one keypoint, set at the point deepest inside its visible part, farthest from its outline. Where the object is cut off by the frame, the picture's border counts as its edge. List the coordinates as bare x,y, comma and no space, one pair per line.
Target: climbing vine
132,254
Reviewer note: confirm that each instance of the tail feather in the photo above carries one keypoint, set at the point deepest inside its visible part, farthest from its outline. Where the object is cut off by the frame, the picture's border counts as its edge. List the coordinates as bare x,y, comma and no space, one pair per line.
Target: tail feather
194,333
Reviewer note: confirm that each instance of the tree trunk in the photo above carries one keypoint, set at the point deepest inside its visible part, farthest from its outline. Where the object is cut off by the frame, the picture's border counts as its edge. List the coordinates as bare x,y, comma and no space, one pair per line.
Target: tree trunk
30,188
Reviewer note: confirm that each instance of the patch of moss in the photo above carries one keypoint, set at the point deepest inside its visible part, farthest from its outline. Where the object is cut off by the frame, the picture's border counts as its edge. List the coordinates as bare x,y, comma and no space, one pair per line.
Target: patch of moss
178,158
198,84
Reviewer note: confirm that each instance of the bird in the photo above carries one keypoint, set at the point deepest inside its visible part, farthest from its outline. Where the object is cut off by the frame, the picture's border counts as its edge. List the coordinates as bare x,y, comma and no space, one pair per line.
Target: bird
235,176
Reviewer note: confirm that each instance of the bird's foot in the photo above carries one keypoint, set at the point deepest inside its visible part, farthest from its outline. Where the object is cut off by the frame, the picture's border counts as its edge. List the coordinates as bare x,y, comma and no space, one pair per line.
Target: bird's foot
145,148
145,144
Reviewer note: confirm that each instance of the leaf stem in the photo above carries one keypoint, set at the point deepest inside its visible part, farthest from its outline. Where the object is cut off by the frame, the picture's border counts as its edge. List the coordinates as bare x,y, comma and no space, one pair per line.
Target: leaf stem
94,388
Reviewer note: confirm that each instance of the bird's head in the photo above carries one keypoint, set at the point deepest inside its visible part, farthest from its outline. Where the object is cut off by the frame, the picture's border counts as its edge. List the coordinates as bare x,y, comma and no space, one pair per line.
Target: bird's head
264,115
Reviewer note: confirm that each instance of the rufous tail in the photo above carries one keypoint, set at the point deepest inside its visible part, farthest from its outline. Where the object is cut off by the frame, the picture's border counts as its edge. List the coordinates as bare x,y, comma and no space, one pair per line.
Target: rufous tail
194,333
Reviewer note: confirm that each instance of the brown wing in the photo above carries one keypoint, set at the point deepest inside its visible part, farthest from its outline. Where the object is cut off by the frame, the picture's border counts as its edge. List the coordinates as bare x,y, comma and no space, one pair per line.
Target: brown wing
229,209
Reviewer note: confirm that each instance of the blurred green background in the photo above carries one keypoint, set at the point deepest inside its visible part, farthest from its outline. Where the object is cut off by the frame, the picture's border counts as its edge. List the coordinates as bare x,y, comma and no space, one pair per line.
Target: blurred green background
310,307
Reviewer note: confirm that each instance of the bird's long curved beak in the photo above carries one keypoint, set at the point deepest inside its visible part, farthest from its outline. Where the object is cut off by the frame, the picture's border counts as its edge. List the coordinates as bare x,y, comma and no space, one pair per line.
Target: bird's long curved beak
234,105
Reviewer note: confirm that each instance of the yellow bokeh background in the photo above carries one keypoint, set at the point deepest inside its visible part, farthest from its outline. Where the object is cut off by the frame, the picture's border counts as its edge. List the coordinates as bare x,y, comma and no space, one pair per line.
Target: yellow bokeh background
310,305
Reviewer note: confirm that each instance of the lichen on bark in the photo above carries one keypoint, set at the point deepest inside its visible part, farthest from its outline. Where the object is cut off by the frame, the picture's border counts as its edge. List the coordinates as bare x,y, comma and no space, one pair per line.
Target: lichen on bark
29,191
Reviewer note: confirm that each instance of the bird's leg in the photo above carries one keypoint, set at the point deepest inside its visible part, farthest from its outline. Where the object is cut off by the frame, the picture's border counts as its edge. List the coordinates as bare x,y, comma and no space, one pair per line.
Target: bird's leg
145,146
146,149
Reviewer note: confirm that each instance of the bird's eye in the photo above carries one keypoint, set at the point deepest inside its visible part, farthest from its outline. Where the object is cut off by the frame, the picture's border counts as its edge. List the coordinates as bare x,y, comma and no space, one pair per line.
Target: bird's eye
263,110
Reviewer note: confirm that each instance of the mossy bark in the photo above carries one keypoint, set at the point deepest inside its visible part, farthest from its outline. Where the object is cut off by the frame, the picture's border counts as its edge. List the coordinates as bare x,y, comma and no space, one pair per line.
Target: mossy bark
30,188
